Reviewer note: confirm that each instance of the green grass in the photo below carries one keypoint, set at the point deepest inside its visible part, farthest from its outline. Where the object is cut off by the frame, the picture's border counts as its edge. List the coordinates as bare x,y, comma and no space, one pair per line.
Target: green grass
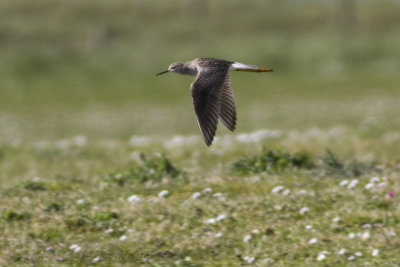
82,198
89,137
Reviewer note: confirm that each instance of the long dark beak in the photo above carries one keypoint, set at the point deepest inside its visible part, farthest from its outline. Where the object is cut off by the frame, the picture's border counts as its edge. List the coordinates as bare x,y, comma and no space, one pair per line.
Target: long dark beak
165,71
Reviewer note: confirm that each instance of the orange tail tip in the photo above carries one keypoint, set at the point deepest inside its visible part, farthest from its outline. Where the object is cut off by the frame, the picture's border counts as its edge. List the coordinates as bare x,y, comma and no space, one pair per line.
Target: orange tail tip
265,70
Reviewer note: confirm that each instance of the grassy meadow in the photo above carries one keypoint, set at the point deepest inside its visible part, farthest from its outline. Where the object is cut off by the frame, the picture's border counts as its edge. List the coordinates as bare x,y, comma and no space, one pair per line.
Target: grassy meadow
102,163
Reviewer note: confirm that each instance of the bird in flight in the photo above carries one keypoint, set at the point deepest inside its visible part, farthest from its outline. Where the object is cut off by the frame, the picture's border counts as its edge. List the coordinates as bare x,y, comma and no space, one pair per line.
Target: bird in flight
211,91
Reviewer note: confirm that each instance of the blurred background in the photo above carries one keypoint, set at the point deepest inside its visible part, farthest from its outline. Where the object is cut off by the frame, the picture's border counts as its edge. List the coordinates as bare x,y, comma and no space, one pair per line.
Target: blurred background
87,68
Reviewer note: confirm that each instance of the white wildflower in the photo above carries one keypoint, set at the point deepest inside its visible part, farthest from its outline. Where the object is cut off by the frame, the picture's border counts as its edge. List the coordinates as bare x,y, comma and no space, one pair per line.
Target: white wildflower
302,192
341,251
109,231
163,193
196,195
207,190
358,254
391,233
219,234
211,221
76,248
136,156
267,260
139,140
96,259
133,199
369,185
365,235
308,227
256,136
220,196
180,140
63,144
80,140
286,192
249,259
381,184
80,201
321,257
247,238
344,182
375,252
304,210
277,189
220,217
367,225
351,258
123,237
353,183
73,246
312,241
374,180
351,235
336,219
255,231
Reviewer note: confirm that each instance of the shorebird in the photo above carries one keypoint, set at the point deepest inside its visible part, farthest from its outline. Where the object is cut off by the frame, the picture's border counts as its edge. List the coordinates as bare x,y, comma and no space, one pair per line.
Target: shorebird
211,91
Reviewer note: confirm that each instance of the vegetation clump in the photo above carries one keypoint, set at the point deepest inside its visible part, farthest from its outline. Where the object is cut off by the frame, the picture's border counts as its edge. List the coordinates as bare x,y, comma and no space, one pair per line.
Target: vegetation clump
35,185
278,161
11,215
331,164
54,207
153,169
101,220
272,161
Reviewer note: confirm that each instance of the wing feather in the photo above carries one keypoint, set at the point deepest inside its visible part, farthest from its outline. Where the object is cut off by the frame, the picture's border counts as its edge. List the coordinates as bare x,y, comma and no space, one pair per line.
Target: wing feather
228,107
206,94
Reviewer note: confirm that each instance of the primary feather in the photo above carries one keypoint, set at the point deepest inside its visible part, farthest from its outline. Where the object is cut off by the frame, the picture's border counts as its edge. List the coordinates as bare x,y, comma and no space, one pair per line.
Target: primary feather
212,94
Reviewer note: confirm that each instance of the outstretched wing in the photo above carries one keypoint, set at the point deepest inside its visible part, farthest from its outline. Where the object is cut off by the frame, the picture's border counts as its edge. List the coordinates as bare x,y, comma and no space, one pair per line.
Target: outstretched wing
206,94
227,112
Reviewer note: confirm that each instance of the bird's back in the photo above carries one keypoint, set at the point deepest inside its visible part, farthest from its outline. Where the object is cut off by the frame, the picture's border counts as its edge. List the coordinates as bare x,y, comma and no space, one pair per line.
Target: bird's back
211,73
213,63
212,96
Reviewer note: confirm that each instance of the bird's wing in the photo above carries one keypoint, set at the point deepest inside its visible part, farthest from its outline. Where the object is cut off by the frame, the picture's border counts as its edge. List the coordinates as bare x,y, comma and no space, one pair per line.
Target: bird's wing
227,112
206,94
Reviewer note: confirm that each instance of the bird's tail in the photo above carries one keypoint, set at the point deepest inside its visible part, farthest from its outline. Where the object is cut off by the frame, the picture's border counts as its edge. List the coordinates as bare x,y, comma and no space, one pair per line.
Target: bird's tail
256,70
250,68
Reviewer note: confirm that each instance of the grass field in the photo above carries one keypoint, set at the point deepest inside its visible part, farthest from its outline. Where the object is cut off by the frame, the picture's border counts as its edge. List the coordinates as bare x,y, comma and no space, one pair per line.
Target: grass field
102,163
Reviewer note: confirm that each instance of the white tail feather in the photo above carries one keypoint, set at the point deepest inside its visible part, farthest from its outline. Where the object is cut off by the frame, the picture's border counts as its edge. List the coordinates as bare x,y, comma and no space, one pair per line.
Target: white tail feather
241,66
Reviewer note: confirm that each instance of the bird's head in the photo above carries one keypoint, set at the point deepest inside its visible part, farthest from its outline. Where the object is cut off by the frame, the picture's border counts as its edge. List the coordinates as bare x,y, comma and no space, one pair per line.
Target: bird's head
174,67
182,68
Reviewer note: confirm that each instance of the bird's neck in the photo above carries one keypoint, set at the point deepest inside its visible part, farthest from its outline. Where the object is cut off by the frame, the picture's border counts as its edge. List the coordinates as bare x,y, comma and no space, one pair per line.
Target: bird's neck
188,69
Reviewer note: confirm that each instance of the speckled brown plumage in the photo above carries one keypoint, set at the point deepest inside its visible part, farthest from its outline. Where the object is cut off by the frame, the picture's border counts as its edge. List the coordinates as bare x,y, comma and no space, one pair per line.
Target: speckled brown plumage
211,92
